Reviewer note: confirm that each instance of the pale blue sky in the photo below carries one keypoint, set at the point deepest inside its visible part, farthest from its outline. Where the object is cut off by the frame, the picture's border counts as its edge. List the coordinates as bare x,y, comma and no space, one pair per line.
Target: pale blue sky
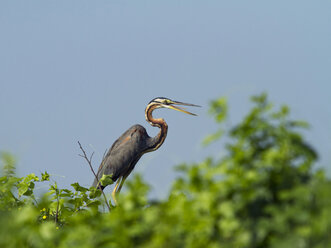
85,70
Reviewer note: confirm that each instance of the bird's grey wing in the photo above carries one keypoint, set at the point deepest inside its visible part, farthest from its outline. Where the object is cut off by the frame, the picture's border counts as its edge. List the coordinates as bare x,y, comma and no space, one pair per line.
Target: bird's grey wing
124,153
124,137
117,143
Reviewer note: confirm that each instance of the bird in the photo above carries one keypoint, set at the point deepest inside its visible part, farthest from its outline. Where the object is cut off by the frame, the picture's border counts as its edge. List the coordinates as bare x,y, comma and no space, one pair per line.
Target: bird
125,152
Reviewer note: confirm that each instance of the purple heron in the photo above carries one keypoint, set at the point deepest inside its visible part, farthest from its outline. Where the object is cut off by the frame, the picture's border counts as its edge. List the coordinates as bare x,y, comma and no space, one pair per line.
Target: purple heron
122,157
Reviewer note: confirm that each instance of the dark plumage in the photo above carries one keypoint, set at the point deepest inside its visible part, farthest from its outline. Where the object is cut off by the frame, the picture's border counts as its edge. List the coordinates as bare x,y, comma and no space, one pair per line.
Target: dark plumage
124,153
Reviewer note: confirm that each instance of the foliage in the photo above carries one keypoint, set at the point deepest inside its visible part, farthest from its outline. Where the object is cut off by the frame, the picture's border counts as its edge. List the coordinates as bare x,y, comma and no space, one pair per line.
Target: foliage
263,192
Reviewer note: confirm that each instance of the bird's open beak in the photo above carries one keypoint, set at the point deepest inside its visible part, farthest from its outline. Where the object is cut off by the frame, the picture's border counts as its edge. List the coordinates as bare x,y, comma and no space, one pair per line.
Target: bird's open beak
171,106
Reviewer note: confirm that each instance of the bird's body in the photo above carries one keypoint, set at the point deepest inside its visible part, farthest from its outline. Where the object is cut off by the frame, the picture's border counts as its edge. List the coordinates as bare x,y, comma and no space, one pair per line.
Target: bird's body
125,153
122,157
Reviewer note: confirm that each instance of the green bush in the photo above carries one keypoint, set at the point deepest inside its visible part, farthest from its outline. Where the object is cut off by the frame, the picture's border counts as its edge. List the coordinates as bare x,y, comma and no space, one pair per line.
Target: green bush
263,192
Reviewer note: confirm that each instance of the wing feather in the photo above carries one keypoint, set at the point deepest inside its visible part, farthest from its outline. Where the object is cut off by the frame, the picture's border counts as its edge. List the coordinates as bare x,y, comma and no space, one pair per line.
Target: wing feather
124,153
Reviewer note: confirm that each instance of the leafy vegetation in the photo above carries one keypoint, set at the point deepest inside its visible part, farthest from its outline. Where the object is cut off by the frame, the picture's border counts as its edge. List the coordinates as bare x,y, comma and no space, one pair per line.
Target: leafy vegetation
263,192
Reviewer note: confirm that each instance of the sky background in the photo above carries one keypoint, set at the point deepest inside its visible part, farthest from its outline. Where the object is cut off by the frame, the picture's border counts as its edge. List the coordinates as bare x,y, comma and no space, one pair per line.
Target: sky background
85,70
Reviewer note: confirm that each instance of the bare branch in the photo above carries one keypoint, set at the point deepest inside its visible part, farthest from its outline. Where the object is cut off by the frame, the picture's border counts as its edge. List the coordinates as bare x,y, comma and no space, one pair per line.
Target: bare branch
91,167
91,156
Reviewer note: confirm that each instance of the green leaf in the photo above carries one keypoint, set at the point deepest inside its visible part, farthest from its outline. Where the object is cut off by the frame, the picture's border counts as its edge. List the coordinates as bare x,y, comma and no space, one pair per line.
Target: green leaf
8,164
94,192
106,180
26,185
44,176
79,188
212,137
218,108
22,189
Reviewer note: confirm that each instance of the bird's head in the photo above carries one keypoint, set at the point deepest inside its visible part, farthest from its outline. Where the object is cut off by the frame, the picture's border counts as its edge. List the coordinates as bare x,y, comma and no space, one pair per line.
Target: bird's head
162,102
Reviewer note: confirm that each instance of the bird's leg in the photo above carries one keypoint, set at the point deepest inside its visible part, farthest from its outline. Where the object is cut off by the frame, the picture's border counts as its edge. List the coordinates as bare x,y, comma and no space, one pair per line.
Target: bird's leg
114,191
120,187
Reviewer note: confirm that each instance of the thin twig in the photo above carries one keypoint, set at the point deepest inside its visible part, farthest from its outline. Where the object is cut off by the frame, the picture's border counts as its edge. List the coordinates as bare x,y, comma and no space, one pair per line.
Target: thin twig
95,175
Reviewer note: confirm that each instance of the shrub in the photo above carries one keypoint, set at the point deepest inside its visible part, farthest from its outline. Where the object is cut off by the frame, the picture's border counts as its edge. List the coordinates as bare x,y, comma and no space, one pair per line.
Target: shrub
263,192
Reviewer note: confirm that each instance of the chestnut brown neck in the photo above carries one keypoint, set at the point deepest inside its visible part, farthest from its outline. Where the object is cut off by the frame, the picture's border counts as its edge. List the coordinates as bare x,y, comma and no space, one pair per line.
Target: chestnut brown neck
157,141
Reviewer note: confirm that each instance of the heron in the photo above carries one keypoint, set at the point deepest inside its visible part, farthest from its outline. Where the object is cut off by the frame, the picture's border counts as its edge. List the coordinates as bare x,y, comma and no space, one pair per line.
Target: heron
124,154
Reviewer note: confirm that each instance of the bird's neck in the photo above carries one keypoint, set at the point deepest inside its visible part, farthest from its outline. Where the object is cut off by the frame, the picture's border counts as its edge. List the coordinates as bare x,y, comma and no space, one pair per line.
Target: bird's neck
158,140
